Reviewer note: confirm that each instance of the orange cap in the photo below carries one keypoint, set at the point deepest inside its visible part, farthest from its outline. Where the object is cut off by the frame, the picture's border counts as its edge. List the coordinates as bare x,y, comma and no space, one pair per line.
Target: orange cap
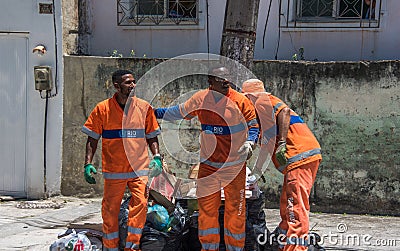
253,85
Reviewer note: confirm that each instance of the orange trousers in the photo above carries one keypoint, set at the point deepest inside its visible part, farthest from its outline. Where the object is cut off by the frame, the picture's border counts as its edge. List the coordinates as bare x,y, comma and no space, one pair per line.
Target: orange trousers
113,193
209,183
295,207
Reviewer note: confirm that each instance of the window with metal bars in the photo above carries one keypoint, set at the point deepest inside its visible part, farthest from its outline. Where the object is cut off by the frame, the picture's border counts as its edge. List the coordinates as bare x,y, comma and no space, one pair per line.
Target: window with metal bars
331,13
365,9
157,12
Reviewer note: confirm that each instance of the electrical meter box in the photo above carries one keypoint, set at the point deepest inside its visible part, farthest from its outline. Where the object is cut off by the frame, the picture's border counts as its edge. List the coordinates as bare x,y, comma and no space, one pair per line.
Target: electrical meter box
43,78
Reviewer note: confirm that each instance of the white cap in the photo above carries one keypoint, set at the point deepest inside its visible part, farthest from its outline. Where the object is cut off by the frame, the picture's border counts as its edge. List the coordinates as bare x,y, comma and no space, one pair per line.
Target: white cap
253,85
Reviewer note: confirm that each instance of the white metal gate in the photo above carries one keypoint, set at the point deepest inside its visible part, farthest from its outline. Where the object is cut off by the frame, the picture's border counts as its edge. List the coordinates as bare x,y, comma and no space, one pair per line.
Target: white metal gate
13,79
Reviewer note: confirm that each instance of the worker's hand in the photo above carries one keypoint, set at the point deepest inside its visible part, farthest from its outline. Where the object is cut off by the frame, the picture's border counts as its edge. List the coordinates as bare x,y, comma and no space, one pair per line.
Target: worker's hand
280,153
89,169
155,166
247,148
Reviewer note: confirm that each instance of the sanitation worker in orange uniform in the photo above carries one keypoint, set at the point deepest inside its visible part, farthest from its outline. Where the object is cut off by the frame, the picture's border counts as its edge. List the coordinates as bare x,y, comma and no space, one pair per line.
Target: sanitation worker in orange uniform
128,127
296,153
229,130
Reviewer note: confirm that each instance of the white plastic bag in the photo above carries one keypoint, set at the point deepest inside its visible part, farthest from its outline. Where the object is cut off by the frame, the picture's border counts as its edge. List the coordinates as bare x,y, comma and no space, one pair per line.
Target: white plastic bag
72,242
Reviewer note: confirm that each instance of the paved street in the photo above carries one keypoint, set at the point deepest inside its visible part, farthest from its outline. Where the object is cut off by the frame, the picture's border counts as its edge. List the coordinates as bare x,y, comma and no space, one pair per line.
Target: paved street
35,228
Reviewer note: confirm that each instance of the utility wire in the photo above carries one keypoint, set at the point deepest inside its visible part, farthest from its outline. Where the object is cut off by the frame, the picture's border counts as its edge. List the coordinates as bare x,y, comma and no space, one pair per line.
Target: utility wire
266,22
208,31
279,30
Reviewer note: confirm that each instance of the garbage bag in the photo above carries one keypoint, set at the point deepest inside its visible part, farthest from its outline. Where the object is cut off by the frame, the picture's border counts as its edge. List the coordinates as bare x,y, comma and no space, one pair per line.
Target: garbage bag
74,241
255,224
190,240
177,229
152,239
123,222
158,217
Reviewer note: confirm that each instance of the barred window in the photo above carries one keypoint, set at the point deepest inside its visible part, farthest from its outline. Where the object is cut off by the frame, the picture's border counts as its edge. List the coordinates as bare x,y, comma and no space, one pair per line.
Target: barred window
157,12
331,13
364,9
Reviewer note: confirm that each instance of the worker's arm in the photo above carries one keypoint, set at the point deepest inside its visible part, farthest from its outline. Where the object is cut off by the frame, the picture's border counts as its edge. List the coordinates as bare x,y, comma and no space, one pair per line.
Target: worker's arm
155,165
152,130
283,121
172,113
153,145
91,146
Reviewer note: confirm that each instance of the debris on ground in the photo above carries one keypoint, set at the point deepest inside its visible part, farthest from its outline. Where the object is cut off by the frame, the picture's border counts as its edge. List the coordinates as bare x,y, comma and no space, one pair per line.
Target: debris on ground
39,205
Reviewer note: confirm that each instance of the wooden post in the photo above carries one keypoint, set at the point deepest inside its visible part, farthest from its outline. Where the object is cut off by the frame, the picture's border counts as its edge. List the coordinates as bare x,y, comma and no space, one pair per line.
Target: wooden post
239,32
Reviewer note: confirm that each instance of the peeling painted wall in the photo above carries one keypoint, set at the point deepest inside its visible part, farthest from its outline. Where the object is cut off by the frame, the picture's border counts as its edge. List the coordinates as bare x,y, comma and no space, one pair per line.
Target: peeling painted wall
351,106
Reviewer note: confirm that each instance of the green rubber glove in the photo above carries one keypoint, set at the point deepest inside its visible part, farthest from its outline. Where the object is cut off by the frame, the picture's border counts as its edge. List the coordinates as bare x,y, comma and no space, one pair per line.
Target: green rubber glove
280,153
155,166
89,169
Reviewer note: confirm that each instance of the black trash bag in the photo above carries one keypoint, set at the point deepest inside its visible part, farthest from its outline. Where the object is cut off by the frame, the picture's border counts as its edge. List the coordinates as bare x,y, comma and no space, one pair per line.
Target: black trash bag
152,239
178,228
191,240
256,225
123,222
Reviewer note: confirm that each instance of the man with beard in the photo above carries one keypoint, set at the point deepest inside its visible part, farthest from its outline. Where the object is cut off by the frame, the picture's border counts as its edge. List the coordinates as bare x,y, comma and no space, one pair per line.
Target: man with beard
128,126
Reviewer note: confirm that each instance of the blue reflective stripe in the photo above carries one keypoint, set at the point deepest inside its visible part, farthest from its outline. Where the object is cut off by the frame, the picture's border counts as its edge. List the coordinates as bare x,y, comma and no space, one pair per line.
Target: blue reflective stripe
234,248
118,176
132,245
203,232
222,164
210,246
153,134
269,134
111,236
222,130
90,133
235,236
299,157
123,133
252,122
296,241
295,119
134,230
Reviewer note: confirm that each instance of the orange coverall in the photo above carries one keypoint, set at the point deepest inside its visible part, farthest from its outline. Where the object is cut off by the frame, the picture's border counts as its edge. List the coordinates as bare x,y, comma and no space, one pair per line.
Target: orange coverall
124,163
224,123
303,154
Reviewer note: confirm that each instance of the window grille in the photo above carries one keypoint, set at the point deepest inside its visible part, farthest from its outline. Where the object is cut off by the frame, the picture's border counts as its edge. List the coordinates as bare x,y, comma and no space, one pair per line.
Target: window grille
363,13
157,12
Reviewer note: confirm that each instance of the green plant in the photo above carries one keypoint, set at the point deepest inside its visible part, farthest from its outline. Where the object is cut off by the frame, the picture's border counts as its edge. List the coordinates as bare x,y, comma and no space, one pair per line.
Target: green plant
300,56
115,54
132,54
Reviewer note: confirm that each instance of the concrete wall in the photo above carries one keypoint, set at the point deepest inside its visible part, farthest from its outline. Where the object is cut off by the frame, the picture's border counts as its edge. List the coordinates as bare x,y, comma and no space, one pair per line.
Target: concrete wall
351,107
23,17
322,44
